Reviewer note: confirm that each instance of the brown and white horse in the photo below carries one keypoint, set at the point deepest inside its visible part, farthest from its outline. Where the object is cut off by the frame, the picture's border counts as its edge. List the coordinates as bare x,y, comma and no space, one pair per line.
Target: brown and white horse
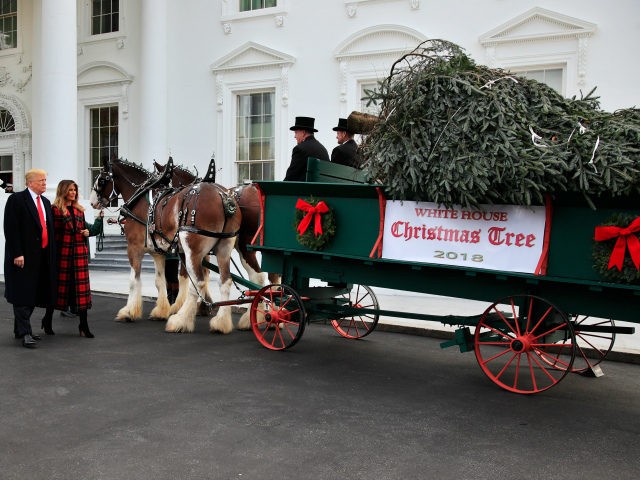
198,219
248,198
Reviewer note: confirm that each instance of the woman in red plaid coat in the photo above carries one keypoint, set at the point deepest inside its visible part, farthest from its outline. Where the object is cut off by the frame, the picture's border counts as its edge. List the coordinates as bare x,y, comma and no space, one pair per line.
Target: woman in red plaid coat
71,233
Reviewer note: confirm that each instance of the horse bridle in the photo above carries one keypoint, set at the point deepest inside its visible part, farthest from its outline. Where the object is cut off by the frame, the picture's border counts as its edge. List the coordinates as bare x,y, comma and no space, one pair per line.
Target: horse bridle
101,181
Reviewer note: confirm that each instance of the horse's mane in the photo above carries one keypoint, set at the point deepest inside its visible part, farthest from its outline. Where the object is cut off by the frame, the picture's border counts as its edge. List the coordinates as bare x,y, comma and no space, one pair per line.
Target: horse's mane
185,170
135,166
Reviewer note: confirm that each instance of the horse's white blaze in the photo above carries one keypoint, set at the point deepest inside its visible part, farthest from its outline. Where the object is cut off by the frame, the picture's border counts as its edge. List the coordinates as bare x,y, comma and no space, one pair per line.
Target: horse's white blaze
93,199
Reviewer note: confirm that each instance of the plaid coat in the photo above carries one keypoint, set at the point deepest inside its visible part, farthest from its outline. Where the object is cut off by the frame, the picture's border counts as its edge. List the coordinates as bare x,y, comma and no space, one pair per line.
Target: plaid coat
73,259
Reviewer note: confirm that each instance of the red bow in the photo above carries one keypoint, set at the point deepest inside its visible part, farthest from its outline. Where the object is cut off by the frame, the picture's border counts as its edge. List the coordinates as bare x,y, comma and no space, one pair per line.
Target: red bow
626,238
312,212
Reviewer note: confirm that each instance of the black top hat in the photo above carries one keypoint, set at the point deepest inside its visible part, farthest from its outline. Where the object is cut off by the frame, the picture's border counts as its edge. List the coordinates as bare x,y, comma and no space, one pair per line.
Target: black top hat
342,126
304,123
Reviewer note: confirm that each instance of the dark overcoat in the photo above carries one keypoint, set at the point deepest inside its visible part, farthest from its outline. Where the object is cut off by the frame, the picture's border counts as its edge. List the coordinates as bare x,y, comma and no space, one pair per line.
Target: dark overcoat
23,234
346,154
309,147
73,259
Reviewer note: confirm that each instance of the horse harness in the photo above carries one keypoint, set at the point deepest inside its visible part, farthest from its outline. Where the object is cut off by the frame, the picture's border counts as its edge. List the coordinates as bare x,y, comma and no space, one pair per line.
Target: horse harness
187,213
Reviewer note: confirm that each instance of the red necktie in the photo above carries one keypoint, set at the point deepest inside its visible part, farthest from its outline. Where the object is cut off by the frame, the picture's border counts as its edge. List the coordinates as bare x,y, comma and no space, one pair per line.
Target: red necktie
43,222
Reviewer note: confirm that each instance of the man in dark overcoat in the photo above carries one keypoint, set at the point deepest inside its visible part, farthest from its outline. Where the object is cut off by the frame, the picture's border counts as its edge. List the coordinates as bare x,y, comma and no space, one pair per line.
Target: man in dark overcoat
29,263
307,146
346,153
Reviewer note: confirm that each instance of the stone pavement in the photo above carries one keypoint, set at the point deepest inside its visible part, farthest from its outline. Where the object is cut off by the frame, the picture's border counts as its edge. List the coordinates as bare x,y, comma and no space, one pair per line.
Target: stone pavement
626,347
138,403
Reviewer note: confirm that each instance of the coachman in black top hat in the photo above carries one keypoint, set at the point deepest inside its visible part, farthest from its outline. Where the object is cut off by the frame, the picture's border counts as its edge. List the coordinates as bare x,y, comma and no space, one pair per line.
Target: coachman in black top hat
307,146
346,153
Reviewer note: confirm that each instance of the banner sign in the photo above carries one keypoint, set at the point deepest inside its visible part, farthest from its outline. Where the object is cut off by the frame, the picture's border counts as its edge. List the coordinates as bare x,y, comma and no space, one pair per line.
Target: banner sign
509,238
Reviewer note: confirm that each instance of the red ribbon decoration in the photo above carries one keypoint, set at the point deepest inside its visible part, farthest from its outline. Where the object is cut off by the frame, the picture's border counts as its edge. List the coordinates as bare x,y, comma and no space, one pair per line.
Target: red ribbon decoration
313,212
626,238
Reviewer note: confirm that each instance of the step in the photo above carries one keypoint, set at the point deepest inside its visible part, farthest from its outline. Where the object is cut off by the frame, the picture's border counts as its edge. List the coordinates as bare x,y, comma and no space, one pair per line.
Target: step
113,256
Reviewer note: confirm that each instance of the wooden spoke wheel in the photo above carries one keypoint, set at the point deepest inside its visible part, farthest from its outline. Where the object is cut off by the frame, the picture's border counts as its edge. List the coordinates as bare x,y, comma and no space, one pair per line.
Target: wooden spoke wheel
524,344
277,317
592,346
357,326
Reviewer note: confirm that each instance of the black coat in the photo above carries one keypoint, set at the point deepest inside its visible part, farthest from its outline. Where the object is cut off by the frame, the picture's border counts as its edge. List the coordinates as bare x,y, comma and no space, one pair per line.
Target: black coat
346,154
23,235
309,147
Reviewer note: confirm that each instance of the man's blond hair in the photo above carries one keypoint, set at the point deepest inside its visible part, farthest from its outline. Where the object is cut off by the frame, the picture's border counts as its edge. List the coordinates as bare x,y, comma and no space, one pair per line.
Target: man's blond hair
34,172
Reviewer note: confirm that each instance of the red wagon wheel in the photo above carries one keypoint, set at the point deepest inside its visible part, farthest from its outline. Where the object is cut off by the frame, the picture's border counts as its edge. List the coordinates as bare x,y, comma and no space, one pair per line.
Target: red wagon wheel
522,352
357,326
277,317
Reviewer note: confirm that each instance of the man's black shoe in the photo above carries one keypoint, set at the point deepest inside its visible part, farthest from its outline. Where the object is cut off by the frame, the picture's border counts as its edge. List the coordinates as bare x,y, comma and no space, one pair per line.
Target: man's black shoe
28,341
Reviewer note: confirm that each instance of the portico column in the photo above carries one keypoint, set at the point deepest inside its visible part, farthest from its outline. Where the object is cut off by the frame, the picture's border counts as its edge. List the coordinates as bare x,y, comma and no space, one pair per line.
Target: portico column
55,90
153,83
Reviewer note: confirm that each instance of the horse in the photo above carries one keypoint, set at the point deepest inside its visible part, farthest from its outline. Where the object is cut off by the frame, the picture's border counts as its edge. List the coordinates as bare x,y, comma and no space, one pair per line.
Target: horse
248,198
198,219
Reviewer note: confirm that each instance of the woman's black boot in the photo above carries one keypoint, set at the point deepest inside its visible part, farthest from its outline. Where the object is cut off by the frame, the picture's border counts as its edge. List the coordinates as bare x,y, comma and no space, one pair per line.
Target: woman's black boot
84,326
47,322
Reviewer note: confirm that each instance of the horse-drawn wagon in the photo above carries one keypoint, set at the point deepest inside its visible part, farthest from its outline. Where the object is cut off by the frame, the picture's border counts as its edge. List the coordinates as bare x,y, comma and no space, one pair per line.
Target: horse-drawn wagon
545,320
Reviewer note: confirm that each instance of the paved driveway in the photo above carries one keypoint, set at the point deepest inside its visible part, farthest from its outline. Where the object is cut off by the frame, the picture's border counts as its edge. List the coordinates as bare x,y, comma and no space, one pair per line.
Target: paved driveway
138,403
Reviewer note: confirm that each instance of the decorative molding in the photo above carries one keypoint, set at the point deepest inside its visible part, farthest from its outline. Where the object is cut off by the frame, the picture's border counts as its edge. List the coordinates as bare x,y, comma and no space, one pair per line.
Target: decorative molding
250,57
230,14
7,79
124,103
583,47
116,38
102,73
343,81
381,40
20,138
537,24
367,56
284,76
535,36
17,110
219,91
351,6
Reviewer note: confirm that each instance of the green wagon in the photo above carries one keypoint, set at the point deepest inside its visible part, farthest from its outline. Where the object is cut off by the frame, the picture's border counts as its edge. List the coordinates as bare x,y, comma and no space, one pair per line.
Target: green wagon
538,328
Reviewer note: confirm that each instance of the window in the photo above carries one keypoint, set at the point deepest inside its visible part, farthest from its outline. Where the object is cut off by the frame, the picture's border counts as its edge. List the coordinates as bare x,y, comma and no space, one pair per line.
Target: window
255,136
248,5
8,24
6,169
550,76
365,87
105,16
7,124
103,144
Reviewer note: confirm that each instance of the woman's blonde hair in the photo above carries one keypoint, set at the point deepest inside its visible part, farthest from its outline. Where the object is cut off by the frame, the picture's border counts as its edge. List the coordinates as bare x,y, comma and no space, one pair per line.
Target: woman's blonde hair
61,193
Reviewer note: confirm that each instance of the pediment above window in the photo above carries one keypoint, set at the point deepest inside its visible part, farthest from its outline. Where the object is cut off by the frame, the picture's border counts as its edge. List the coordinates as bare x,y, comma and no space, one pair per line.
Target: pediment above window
381,40
538,24
102,73
251,56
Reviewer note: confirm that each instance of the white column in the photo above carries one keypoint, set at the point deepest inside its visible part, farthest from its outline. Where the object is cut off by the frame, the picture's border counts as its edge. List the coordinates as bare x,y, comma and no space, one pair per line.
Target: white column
153,83
55,90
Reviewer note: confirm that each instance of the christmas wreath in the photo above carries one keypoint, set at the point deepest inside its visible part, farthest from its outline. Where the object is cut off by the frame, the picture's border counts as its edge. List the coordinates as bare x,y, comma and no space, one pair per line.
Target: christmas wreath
314,223
613,239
